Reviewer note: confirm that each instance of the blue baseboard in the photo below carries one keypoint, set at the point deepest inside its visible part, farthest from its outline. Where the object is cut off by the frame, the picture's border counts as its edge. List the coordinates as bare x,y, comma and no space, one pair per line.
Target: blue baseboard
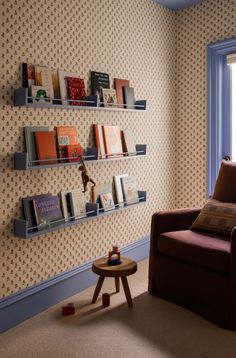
18,307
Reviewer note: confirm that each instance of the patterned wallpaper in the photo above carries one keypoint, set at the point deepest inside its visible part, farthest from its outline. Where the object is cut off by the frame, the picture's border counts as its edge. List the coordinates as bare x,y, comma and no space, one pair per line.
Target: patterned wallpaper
133,39
197,27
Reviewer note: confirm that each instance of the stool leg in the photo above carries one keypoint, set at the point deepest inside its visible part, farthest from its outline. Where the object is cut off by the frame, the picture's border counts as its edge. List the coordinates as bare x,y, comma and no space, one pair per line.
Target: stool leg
117,283
98,289
127,291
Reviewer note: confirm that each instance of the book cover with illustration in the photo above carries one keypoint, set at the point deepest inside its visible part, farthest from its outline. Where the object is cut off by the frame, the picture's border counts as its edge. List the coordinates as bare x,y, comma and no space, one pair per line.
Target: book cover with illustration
112,138
78,204
43,77
66,135
28,209
47,211
107,201
74,153
99,80
76,90
130,190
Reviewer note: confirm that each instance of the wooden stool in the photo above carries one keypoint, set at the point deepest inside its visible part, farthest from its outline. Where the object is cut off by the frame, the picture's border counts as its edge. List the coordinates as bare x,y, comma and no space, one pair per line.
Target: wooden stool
126,268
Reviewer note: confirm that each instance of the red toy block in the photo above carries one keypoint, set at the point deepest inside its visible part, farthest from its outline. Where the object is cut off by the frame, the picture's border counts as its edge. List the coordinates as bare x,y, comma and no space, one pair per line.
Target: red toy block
68,310
106,300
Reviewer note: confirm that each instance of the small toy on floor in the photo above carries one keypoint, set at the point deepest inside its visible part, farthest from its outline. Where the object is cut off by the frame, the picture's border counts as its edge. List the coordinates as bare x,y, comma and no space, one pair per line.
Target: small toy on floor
68,310
106,300
114,256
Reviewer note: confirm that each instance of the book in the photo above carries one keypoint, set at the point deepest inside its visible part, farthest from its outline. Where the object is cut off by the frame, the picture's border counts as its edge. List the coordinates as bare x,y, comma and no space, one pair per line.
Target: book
118,188
62,75
78,204
112,139
130,190
99,189
55,85
43,77
39,94
28,76
98,133
107,201
30,143
76,90
129,97
128,141
66,135
74,152
66,206
99,80
46,147
109,97
119,84
47,211
28,210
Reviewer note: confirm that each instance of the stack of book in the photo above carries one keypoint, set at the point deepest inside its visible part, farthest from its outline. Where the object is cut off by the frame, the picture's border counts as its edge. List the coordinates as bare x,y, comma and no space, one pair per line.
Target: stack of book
123,191
46,84
62,87
44,147
46,210
111,141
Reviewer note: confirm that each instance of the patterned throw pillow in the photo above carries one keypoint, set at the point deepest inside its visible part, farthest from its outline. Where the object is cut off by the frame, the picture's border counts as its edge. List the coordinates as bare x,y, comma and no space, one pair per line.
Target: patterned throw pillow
216,217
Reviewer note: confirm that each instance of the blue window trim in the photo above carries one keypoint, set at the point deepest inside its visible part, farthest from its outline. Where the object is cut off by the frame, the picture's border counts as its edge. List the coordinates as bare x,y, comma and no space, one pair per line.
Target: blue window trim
218,107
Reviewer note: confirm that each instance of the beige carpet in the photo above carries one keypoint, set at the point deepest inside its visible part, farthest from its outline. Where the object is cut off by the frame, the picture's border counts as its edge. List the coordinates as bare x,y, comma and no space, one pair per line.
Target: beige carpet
153,328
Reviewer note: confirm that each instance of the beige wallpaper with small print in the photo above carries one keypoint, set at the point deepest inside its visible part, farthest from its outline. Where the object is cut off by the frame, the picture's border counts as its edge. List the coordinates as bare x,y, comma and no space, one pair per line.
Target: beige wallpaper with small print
197,27
133,39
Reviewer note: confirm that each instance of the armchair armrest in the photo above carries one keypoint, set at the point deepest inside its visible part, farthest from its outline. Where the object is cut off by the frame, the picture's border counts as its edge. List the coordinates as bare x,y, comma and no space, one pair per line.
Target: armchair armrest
233,254
171,220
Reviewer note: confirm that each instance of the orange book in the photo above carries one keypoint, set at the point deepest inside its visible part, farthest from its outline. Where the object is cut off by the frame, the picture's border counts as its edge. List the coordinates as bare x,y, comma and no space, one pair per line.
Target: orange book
119,84
46,147
112,138
99,140
66,135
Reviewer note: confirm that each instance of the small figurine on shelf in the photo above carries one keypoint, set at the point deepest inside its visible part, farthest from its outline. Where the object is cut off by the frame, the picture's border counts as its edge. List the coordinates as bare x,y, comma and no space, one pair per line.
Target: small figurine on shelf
85,177
114,256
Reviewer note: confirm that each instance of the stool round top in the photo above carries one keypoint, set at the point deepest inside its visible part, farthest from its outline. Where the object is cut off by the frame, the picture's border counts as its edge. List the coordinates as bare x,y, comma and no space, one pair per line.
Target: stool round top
126,268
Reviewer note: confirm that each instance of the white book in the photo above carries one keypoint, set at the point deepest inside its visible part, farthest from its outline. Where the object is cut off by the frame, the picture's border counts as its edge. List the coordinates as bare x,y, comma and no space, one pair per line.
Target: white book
43,77
118,188
78,204
130,190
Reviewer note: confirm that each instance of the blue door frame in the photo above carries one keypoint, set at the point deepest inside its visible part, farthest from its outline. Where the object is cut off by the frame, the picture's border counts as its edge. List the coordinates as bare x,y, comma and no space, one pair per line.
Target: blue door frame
218,107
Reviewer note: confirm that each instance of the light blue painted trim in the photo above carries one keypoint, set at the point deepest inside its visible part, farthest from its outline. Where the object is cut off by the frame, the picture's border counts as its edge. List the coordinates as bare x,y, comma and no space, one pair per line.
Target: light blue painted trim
218,88
18,307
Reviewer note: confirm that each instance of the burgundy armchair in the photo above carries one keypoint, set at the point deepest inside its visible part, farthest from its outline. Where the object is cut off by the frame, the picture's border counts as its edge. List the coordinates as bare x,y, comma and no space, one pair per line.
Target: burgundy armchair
195,269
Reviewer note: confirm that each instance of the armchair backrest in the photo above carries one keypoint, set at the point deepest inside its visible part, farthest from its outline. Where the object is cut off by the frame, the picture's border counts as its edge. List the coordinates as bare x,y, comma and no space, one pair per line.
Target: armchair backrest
225,188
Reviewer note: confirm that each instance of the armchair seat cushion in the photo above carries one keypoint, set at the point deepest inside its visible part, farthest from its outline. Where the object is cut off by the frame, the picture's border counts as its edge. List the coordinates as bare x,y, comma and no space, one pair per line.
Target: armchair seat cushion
196,248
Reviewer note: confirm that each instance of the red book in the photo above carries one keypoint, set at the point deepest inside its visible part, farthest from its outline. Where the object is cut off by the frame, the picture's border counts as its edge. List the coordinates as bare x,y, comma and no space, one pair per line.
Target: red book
46,147
75,151
76,90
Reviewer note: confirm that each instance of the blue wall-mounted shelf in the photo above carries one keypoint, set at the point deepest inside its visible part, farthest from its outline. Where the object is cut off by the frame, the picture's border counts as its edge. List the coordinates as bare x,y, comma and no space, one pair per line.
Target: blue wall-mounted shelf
92,212
22,162
22,99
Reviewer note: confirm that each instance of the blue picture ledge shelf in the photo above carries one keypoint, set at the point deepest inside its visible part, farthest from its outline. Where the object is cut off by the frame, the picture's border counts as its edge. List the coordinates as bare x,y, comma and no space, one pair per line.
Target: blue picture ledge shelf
21,229
22,162
22,99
